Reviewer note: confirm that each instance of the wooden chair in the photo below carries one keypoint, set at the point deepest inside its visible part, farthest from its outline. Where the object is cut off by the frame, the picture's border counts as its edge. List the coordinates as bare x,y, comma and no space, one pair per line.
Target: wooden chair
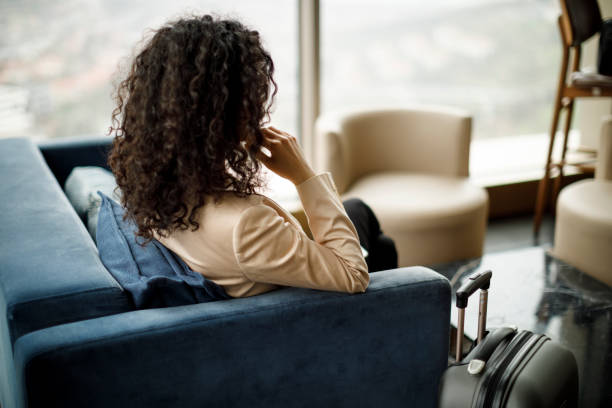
579,21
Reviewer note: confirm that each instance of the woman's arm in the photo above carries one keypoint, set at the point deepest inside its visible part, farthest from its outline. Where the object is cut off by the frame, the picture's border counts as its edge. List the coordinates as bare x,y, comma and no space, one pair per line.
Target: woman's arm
271,250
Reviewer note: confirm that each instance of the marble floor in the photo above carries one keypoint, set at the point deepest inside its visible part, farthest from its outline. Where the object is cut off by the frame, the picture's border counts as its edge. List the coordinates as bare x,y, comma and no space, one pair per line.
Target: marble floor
535,291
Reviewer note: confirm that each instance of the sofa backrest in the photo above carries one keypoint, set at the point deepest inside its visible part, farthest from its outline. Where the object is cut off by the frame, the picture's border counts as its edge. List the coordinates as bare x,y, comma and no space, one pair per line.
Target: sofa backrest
64,154
50,272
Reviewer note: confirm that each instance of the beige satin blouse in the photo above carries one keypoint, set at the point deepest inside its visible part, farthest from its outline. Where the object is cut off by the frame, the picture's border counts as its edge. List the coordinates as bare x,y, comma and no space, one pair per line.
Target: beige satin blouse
252,245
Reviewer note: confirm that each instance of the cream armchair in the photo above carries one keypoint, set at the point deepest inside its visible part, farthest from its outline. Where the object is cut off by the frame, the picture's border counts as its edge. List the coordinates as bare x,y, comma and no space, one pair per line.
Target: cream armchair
583,228
411,166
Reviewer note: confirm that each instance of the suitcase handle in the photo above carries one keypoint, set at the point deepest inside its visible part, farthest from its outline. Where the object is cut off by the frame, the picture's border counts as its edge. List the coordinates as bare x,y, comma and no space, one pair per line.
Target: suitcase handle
482,281
479,280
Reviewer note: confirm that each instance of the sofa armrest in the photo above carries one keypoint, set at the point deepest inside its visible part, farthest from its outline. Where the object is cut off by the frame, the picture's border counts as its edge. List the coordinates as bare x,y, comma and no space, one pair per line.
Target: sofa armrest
62,155
291,347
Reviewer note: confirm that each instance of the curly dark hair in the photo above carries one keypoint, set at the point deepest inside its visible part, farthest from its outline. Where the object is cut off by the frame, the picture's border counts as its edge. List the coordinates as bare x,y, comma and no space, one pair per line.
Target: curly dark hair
187,122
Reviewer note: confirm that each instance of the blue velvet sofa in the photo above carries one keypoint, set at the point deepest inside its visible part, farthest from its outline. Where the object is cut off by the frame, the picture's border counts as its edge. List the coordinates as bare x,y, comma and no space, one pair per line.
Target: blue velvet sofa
70,337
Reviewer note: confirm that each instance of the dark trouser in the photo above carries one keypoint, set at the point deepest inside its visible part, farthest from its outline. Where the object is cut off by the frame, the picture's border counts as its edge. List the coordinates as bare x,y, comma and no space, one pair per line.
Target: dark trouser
381,249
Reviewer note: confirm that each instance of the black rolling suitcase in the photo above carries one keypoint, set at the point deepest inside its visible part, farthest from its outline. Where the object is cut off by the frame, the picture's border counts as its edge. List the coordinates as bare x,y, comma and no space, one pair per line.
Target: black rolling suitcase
508,367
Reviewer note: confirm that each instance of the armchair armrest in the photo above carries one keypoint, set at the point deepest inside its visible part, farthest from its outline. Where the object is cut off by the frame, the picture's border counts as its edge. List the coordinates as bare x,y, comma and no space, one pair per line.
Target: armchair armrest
332,151
291,347
62,155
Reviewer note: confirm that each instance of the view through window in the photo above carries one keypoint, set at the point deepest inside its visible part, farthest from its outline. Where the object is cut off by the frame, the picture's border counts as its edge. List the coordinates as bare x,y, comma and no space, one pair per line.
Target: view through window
58,59
497,59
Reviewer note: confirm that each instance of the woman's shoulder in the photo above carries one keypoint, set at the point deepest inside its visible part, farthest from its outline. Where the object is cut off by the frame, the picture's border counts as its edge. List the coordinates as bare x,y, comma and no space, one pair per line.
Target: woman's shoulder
217,218
234,203
232,209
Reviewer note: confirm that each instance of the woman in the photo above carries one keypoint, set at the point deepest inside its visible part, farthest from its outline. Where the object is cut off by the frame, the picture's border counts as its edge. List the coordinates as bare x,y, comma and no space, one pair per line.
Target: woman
187,156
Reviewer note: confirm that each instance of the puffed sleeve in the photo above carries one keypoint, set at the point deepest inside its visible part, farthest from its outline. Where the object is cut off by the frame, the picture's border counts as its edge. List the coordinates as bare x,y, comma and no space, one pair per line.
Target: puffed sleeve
269,249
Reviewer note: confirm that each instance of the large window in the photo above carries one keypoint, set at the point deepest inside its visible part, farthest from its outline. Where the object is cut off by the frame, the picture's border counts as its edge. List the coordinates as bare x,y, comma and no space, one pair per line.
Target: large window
58,59
498,59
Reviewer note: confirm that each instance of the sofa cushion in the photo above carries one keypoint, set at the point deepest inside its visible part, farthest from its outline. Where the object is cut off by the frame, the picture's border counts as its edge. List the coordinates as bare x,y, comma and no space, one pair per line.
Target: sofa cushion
418,201
426,215
152,274
81,188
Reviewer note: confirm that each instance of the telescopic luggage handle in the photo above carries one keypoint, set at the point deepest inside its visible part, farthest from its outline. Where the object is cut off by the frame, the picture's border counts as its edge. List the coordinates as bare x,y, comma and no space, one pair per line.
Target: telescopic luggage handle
479,280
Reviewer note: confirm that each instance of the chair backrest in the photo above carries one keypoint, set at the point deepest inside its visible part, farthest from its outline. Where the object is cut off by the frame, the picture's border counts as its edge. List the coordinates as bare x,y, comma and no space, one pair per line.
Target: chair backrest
581,19
434,141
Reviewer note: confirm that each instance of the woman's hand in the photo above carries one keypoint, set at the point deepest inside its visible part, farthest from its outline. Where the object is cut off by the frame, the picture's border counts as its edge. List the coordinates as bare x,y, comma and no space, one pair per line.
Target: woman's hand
286,157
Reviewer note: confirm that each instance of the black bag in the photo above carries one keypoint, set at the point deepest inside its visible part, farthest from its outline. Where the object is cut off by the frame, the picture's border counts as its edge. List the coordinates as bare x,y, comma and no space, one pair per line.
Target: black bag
507,368
604,54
